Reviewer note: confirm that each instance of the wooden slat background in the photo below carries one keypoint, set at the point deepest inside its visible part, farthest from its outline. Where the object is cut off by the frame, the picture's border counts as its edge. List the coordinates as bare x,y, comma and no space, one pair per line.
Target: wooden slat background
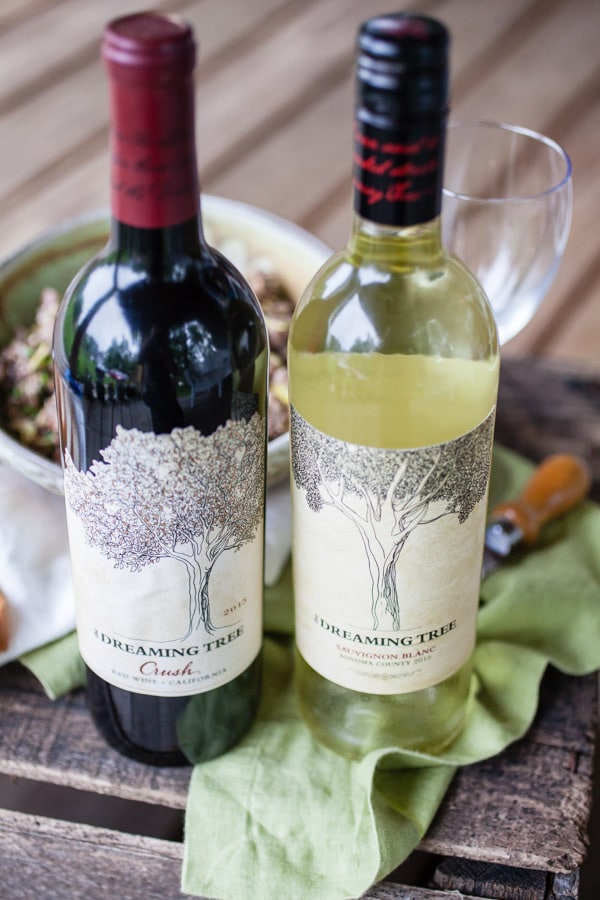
274,115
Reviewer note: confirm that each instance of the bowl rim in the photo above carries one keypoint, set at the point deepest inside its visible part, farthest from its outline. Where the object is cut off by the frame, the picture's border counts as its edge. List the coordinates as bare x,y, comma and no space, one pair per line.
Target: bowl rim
48,473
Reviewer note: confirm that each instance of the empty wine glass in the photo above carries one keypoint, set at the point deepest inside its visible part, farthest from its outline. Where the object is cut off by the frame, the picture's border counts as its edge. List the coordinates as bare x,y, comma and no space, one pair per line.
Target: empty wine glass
507,213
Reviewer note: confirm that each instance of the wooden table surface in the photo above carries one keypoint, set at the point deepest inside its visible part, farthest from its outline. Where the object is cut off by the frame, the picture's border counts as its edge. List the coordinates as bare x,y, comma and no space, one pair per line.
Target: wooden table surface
274,111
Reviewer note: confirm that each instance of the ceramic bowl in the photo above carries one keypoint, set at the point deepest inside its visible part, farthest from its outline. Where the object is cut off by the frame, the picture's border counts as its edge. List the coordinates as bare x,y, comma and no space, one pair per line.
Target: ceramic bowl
56,256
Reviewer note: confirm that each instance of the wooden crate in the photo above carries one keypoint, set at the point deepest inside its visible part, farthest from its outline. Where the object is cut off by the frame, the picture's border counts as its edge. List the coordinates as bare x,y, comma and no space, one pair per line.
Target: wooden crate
95,824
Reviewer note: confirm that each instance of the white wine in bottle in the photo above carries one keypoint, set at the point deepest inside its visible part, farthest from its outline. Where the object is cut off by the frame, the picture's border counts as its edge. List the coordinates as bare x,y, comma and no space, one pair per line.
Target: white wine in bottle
393,363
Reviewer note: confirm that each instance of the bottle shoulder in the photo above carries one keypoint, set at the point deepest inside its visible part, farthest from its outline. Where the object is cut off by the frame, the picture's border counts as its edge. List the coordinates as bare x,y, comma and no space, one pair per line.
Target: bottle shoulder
181,287
394,303
345,272
189,311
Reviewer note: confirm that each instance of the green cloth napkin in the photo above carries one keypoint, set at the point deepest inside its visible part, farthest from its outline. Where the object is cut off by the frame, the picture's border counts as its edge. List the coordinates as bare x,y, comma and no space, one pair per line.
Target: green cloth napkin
58,666
281,815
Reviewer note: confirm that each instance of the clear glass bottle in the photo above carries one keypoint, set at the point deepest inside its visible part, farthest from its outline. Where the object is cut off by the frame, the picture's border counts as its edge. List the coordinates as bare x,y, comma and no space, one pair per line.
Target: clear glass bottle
393,367
161,367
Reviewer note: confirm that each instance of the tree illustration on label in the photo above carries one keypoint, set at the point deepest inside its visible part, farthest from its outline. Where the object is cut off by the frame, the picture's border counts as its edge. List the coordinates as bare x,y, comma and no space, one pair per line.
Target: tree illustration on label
183,496
388,494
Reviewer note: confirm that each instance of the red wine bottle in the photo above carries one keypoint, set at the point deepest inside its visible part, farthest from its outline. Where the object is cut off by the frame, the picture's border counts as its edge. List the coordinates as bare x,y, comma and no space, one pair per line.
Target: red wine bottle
161,367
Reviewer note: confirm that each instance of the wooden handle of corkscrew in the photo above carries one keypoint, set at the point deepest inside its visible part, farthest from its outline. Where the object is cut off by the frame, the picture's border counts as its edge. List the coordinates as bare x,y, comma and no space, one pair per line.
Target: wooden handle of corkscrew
557,485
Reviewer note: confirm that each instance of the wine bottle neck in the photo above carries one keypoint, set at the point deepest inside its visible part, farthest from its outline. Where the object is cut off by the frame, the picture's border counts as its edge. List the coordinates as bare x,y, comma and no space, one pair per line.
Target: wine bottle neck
154,179
390,245
158,246
398,171
400,119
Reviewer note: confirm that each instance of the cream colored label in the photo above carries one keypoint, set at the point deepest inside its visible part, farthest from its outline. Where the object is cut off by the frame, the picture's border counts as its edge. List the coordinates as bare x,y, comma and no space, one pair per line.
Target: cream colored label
166,539
387,557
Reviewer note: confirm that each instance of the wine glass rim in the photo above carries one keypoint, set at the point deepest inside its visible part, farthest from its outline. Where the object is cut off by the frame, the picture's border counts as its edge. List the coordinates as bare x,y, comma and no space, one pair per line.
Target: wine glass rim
525,132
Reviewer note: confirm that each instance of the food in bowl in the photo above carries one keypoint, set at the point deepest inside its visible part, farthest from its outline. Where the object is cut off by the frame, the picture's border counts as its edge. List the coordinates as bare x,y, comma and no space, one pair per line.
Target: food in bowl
27,405
27,402
241,231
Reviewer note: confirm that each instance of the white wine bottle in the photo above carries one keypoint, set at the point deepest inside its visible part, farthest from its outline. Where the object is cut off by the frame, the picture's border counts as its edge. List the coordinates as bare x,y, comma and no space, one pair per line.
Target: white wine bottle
393,366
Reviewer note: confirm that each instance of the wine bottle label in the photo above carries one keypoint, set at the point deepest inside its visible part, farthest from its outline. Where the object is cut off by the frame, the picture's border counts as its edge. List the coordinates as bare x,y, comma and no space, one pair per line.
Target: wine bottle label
387,556
166,535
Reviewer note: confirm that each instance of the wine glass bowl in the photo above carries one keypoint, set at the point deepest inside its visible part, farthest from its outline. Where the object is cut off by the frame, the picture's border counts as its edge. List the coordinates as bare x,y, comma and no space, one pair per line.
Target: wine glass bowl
507,201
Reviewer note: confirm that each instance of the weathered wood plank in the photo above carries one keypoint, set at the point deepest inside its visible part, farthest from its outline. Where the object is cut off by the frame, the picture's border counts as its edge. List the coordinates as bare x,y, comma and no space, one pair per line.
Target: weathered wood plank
48,858
504,882
45,136
56,742
57,40
12,12
43,857
528,784
389,891
540,780
543,780
549,407
528,86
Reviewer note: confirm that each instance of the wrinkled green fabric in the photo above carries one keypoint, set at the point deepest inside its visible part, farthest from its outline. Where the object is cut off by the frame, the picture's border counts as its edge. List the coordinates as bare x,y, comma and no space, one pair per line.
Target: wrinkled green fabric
281,815
58,666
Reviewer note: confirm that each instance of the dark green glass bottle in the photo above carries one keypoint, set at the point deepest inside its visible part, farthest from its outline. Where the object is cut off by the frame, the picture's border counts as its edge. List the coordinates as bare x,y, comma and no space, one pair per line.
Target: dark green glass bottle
161,367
